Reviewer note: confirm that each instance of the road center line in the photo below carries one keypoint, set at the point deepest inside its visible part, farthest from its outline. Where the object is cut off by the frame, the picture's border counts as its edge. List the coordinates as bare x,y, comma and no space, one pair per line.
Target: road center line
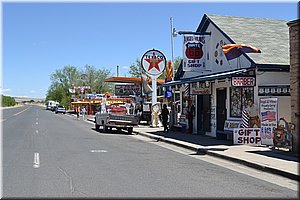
36,160
21,111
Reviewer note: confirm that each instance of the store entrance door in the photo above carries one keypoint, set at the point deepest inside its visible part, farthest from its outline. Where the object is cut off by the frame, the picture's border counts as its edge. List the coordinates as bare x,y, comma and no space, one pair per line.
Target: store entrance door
203,114
221,108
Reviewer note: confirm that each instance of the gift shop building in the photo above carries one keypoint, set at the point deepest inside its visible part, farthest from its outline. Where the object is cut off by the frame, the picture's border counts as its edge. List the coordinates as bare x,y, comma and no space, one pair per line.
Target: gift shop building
242,59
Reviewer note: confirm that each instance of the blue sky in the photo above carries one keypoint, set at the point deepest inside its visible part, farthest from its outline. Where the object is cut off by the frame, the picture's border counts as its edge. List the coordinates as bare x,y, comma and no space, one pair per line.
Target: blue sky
38,38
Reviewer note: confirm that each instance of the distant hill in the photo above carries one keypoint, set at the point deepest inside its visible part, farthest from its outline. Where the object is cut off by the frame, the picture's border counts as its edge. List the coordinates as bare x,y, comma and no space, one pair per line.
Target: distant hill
27,99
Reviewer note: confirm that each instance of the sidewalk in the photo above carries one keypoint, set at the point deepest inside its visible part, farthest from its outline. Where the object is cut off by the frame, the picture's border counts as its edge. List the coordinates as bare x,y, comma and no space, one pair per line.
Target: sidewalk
264,158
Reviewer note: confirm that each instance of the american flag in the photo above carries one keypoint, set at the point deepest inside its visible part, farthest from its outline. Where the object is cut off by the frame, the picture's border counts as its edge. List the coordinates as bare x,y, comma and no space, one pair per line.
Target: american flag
268,115
245,119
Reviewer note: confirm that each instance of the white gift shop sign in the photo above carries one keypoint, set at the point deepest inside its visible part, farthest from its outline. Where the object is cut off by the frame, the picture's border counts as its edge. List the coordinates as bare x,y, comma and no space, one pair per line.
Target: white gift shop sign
246,136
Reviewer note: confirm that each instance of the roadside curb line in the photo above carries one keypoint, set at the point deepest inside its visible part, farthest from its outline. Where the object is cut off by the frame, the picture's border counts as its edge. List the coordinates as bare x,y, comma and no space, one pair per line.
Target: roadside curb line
202,150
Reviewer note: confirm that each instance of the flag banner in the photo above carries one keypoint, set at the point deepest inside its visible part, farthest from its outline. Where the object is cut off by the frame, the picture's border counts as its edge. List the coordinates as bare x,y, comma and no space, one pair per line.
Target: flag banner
168,78
233,51
169,72
194,52
268,115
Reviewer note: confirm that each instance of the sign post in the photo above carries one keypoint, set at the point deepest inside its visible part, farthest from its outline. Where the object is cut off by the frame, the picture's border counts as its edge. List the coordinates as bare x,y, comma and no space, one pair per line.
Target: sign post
154,63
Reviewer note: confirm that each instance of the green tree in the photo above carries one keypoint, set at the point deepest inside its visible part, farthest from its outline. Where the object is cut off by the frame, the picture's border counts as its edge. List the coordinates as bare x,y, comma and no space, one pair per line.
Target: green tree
176,63
7,101
61,81
95,79
135,68
70,77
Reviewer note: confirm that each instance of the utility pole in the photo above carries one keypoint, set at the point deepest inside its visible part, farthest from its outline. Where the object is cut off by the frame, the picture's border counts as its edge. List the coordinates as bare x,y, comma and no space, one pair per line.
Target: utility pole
117,70
172,47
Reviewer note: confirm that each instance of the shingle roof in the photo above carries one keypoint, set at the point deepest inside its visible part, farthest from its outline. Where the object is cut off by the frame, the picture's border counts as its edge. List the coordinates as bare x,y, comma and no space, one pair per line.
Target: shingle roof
269,35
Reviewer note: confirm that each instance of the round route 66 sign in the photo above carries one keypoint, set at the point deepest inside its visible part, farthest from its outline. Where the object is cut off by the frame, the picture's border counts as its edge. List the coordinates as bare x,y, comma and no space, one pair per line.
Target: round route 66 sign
153,62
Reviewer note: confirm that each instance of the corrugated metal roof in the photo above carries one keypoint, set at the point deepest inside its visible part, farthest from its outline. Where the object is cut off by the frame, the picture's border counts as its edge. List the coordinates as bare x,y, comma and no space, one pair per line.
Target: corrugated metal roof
269,35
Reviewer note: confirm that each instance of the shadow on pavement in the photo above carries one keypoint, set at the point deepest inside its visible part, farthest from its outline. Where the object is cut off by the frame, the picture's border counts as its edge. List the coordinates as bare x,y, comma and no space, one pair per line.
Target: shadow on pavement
194,139
289,156
114,131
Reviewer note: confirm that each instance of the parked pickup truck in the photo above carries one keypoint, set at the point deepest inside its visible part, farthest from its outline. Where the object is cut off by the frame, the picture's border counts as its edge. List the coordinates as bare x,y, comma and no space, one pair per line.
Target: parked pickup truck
118,121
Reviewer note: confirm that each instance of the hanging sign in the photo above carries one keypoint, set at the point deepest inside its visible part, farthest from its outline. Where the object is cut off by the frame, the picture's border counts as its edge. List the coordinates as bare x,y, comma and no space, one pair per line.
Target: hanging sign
200,88
153,62
194,51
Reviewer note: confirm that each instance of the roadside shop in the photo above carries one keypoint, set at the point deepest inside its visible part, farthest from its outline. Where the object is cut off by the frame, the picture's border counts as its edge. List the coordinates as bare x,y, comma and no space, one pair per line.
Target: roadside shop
240,59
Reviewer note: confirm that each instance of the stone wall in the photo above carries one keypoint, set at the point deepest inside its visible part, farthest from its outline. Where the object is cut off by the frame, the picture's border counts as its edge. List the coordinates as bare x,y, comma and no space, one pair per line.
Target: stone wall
294,27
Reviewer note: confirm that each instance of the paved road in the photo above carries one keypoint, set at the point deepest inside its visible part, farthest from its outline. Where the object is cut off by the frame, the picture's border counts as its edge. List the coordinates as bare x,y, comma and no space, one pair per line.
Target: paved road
55,155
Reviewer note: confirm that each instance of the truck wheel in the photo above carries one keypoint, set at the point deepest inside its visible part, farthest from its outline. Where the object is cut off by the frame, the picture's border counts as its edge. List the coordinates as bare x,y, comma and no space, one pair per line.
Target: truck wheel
130,130
97,127
105,129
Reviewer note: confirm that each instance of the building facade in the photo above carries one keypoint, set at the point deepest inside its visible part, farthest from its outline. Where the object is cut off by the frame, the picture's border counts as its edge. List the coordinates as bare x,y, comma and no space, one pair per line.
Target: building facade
219,101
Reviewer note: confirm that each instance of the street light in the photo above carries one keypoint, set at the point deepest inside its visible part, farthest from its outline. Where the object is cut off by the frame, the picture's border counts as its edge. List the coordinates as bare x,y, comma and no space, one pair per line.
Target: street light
182,32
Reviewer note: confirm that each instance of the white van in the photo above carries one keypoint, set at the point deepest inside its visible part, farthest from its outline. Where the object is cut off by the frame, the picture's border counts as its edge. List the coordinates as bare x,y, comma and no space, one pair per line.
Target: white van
51,104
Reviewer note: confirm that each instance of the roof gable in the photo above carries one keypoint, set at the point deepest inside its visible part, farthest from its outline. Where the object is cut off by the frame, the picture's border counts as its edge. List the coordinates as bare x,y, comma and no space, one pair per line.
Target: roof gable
269,35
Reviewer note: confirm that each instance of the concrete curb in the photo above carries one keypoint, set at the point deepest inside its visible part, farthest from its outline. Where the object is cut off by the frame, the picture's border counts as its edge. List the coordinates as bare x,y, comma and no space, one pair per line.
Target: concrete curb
202,150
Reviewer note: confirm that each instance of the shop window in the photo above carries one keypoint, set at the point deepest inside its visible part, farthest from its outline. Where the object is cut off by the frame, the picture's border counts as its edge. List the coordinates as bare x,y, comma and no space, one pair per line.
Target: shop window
238,99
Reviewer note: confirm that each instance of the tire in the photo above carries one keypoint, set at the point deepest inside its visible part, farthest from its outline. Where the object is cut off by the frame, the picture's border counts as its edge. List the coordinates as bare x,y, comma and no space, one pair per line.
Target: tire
97,127
105,128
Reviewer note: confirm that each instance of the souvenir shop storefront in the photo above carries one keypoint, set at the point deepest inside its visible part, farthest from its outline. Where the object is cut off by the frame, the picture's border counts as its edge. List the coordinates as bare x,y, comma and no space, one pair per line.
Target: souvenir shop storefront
220,99
226,80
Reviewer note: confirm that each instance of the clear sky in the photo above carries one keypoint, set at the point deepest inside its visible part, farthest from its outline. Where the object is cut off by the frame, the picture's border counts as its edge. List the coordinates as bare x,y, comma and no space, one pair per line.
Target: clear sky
38,38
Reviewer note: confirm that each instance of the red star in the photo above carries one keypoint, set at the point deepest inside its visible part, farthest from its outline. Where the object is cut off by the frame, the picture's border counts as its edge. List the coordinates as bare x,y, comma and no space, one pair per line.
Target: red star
153,62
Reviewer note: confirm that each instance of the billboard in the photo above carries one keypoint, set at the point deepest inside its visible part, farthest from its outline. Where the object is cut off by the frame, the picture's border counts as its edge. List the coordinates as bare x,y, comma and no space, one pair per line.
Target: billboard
128,89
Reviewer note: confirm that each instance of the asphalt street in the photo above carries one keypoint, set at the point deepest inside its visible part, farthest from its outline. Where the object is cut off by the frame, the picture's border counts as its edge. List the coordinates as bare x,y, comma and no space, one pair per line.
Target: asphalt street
56,155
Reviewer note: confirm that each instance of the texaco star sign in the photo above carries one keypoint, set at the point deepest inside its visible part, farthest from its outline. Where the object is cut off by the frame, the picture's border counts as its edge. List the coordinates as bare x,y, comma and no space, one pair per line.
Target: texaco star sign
153,62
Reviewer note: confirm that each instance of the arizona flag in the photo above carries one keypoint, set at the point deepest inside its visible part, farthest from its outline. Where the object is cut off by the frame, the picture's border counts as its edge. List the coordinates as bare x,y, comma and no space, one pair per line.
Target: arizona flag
233,51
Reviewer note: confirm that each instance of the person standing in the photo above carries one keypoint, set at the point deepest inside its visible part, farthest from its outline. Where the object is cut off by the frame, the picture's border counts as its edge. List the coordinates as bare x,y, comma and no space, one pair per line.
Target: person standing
77,110
191,114
165,116
83,112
